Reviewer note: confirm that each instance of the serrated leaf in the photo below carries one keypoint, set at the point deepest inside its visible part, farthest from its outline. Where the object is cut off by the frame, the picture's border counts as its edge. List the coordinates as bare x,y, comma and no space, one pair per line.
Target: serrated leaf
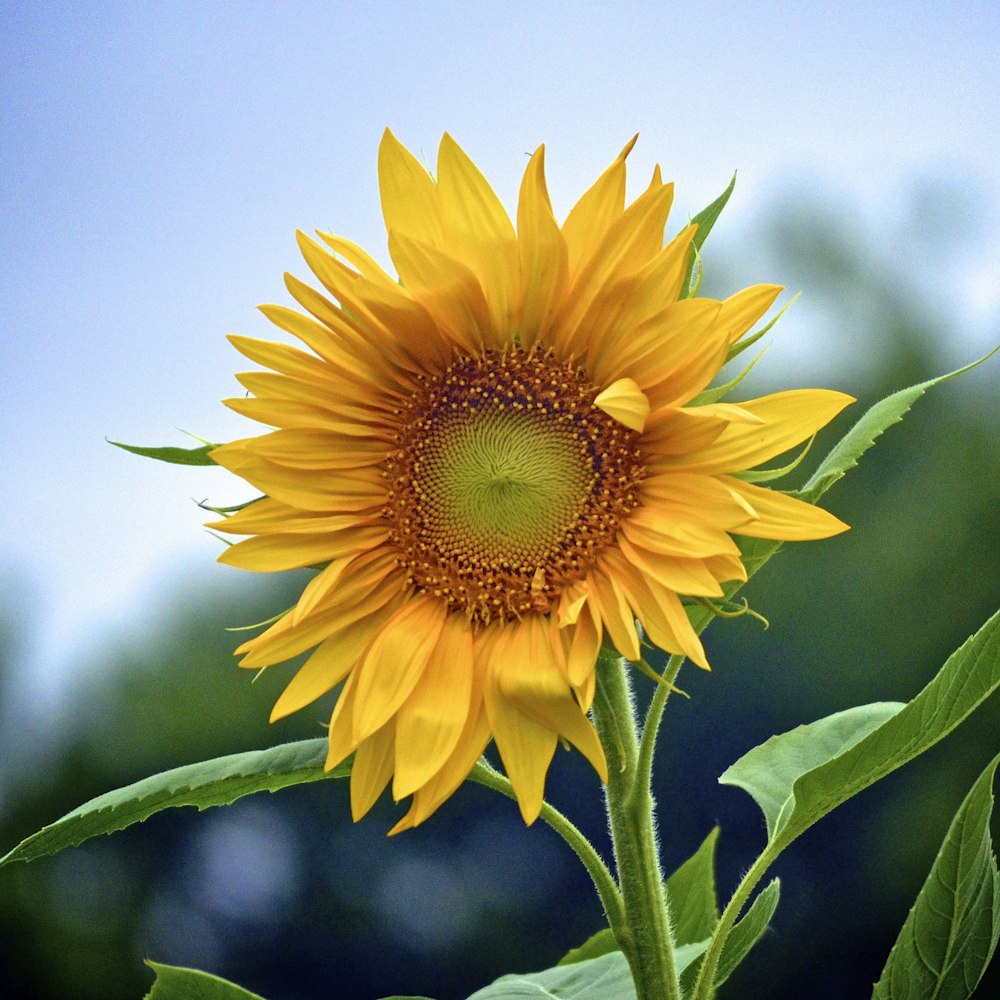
691,894
748,931
705,219
215,782
176,456
951,932
604,978
846,453
797,798
176,983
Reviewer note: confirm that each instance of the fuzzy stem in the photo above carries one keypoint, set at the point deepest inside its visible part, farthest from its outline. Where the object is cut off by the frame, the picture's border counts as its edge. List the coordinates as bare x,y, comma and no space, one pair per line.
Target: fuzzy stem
645,938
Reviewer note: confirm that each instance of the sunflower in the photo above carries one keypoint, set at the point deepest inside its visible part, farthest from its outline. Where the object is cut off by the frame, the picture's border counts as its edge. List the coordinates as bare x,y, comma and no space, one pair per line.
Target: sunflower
498,462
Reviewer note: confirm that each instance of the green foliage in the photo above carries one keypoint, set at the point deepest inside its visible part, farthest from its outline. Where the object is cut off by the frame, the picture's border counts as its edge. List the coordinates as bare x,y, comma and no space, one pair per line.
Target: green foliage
691,894
872,425
176,983
951,932
705,220
748,931
768,772
803,784
210,783
175,456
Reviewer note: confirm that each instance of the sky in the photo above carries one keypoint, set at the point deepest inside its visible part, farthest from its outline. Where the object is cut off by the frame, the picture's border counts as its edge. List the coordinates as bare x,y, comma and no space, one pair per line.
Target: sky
156,159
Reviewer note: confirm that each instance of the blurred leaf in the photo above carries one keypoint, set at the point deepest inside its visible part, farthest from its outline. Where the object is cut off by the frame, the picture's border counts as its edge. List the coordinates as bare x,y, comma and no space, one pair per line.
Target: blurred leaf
691,894
951,932
806,783
873,424
748,931
215,782
768,772
177,456
175,983
705,220
604,978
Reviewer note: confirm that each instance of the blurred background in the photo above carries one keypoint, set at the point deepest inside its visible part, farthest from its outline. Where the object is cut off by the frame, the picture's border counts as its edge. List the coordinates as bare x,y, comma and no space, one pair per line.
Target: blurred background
156,159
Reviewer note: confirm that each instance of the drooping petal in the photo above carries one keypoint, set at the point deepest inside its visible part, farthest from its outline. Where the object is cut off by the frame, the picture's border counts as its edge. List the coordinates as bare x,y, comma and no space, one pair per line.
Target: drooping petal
431,720
530,678
373,762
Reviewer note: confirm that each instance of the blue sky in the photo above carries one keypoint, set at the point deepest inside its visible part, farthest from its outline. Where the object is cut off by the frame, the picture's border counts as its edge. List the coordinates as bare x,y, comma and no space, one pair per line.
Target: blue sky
157,158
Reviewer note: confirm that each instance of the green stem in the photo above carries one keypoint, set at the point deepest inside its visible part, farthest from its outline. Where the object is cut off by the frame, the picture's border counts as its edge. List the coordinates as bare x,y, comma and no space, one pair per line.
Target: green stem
611,899
704,987
647,742
645,937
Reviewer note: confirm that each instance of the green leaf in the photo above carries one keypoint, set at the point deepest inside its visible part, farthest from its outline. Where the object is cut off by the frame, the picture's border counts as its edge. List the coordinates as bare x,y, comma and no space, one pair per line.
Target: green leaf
211,783
604,978
807,783
768,772
176,456
601,943
951,933
873,424
705,219
176,983
748,931
691,894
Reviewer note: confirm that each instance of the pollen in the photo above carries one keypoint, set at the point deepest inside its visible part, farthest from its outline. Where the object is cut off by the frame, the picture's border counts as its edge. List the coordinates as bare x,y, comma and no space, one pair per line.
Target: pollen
506,482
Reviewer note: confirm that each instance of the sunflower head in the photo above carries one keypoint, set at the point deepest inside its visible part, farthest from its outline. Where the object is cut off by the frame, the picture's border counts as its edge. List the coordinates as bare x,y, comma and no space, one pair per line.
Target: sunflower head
499,461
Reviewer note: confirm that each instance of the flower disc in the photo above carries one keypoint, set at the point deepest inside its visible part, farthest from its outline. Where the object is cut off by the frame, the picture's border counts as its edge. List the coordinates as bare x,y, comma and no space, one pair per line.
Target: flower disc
507,482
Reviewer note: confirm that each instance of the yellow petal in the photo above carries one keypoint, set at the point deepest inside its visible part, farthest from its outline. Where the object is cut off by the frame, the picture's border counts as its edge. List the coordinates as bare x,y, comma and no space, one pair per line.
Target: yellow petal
584,645
395,662
448,290
742,310
478,229
625,402
443,785
409,195
659,610
372,769
526,748
783,517
340,742
328,665
544,258
277,553
683,575
789,418
530,678
594,213
619,621
431,720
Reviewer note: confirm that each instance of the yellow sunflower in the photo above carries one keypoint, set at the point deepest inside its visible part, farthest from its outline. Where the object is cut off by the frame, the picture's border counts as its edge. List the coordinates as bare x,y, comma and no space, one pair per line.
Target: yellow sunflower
496,463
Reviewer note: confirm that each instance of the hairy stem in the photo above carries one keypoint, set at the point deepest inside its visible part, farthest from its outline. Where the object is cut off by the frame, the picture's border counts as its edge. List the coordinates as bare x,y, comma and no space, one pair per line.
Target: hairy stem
645,937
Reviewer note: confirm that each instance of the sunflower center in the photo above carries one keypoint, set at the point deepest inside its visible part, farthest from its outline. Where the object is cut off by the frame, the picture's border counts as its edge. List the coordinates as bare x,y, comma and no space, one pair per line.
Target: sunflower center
506,483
